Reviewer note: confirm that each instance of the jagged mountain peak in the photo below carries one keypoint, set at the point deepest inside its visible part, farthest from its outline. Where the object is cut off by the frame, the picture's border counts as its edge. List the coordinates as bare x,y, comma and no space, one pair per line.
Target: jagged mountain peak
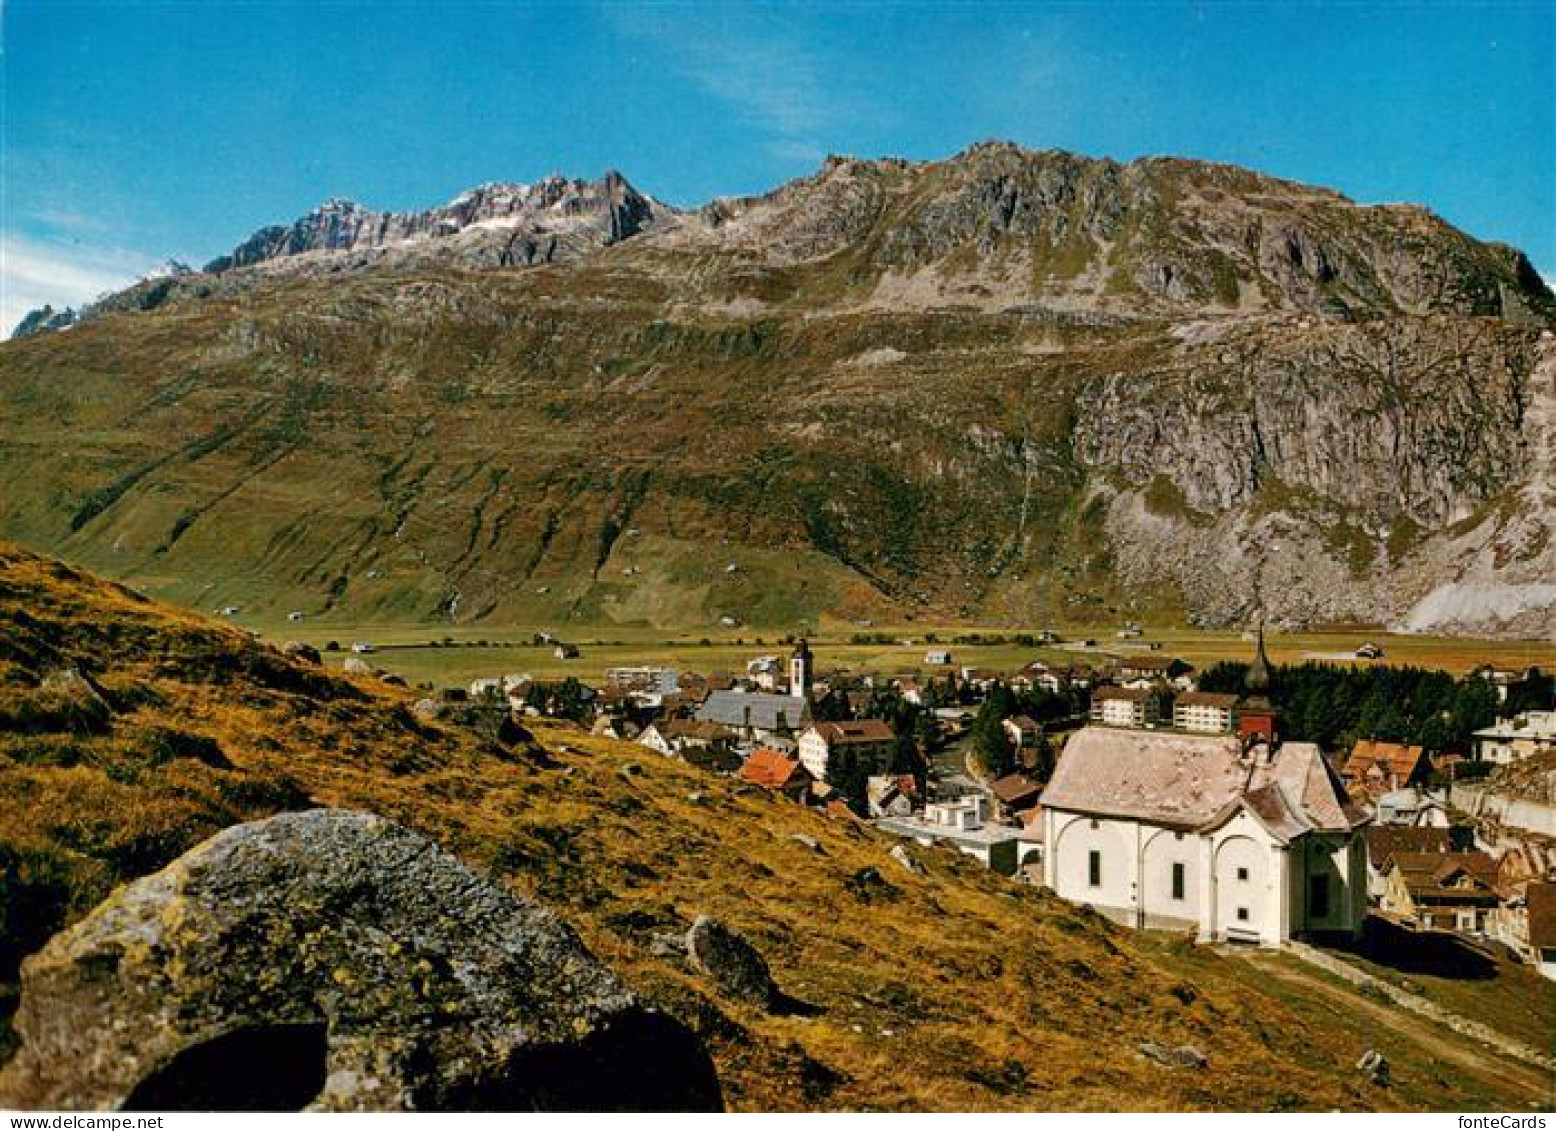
577,214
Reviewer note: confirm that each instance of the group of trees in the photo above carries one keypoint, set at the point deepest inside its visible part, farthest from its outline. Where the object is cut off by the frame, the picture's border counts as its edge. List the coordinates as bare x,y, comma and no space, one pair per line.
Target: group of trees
991,743
913,733
1335,705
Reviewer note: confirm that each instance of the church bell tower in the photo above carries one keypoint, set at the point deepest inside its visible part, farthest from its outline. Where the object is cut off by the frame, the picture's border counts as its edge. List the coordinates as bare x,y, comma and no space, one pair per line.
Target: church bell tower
800,671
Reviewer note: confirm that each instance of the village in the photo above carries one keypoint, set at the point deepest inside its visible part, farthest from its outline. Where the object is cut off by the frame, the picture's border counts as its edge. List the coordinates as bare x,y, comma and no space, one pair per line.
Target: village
1123,785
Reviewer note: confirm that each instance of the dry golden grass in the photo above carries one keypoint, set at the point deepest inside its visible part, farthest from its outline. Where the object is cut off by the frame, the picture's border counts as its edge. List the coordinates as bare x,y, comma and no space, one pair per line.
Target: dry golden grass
952,990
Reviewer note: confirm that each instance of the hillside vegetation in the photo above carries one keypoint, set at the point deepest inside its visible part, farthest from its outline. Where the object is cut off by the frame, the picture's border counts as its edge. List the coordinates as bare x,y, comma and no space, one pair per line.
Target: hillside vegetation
130,731
1004,387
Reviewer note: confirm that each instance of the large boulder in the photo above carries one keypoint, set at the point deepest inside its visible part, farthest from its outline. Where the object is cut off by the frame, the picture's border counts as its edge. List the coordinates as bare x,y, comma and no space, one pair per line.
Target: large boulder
338,961
297,650
724,955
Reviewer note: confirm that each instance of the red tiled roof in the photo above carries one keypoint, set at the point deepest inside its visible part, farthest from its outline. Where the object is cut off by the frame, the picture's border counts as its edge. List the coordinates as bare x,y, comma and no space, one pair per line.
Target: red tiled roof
1430,873
1395,758
1013,788
1384,841
770,769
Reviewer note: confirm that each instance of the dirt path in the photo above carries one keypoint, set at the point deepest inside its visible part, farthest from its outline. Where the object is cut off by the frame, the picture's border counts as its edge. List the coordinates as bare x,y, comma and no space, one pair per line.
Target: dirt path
1439,1042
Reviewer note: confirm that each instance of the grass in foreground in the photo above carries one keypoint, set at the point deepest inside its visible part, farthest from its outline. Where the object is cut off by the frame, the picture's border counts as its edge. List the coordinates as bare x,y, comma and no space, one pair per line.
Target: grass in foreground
952,990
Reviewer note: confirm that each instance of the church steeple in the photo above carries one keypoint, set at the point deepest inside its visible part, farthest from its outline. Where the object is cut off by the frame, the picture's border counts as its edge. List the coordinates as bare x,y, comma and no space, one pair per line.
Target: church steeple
1255,712
800,671
1256,684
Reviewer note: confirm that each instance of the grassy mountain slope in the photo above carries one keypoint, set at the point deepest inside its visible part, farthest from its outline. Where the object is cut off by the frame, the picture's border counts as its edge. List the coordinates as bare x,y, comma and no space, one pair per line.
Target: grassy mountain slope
950,990
971,388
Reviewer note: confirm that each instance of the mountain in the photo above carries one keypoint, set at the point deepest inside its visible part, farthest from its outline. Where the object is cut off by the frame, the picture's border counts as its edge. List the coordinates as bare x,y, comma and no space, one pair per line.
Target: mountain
495,225
1009,386
132,731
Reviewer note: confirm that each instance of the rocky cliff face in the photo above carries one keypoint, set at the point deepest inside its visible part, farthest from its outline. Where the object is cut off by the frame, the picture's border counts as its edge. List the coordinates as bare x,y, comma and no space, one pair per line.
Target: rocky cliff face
502,224
1007,385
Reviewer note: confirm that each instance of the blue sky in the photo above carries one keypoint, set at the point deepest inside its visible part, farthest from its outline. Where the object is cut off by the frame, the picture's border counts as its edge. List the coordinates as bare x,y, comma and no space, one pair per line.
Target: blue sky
136,131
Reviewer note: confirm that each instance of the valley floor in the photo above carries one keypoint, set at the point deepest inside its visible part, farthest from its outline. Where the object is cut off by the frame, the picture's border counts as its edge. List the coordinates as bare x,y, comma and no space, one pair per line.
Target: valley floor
455,656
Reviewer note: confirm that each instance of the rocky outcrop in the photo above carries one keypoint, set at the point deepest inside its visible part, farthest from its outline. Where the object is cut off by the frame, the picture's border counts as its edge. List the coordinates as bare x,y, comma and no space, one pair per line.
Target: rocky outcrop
44,319
724,955
338,961
1391,471
500,225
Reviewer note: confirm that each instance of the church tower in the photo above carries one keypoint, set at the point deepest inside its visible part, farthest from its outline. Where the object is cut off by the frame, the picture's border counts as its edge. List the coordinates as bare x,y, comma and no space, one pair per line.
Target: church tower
800,671
1255,712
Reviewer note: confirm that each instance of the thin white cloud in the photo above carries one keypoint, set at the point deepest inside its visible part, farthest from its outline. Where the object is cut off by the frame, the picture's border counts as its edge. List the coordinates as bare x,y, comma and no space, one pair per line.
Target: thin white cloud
748,60
37,272
68,222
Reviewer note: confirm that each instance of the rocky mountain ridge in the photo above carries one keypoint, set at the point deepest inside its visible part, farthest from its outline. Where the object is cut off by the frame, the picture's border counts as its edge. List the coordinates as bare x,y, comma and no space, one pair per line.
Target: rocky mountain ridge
1004,386
501,224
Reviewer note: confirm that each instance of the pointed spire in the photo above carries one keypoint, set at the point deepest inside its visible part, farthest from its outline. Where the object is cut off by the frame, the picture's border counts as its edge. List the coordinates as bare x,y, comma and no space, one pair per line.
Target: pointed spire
1257,681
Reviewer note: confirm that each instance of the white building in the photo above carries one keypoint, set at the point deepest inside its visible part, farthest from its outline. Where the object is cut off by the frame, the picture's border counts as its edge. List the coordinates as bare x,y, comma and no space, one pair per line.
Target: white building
1125,706
1160,829
870,740
964,825
1513,740
645,679
1205,712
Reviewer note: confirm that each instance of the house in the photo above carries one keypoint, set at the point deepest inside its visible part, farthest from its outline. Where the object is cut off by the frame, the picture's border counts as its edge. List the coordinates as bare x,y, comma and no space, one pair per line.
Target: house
565,651
1376,768
982,680
1369,651
1152,668
1255,842
757,716
858,702
891,795
954,720
1125,706
1524,862
1014,793
776,773
1540,914
869,740
1022,732
1512,740
487,688
1412,806
1452,892
764,672
1205,712
646,680
937,658
1383,842
962,824
1503,679
675,737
